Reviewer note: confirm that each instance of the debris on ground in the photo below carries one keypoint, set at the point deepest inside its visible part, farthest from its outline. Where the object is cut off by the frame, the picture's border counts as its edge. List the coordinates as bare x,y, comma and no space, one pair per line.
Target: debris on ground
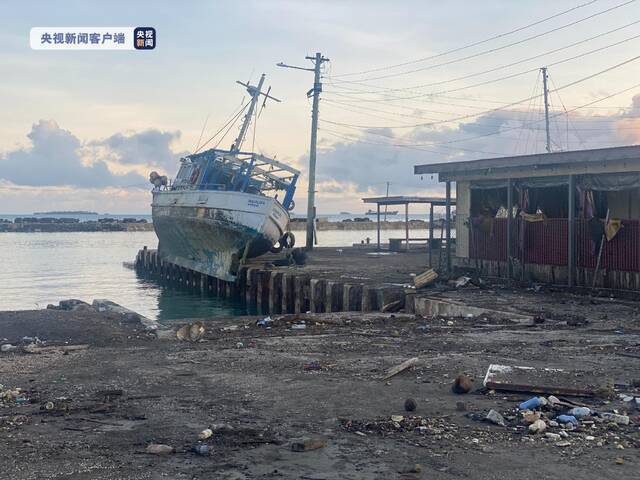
159,449
311,366
308,444
542,380
425,279
495,418
392,372
410,405
191,332
462,384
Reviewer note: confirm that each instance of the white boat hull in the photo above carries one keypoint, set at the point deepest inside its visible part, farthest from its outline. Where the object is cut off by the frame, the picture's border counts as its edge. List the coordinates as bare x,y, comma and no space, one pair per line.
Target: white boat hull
209,231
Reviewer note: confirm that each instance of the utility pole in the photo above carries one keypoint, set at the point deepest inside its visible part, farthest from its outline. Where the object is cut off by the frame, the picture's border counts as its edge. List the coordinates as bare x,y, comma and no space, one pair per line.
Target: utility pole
317,60
546,106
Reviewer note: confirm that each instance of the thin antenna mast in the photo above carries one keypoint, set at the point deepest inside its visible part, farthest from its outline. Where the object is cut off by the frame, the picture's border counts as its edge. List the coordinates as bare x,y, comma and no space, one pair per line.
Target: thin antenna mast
255,93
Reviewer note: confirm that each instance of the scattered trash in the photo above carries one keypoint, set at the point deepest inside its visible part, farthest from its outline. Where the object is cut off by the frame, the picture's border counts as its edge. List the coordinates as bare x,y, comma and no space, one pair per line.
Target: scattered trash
397,418
35,348
299,326
495,418
461,281
410,405
580,412
239,345
532,403
616,418
567,419
392,306
417,468
425,278
191,332
392,372
159,449
201,449
312,366
7,347
539,380
204,434
552,436
538,426
619,461
307,444
49,406
462,384
265,322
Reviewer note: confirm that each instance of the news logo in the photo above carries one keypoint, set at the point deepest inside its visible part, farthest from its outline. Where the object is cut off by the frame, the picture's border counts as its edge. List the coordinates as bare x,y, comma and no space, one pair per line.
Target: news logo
93,38
144,38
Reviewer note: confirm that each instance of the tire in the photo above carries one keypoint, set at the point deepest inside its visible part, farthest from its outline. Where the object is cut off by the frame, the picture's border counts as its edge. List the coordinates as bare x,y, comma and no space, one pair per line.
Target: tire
288,240
277,248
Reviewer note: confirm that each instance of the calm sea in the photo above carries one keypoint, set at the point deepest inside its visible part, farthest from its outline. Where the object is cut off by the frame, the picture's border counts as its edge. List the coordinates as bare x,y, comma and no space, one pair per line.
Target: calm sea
41,268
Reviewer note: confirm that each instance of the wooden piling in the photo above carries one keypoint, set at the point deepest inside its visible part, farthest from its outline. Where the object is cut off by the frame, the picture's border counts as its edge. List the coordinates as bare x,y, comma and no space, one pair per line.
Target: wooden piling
352,298
288,293
301,295
262,292
275,292
317,289
334,296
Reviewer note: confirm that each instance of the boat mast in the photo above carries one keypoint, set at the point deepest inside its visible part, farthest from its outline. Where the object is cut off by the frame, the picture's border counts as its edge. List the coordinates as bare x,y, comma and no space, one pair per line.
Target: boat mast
255,93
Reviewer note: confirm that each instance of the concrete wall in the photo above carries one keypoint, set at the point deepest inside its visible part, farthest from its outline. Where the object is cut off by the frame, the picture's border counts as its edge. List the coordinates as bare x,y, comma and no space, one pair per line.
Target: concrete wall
463,210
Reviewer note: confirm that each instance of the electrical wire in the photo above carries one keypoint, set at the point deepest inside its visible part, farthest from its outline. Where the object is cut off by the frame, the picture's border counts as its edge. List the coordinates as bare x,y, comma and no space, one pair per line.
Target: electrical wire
501,67
496,49
470,45
463,117
390,98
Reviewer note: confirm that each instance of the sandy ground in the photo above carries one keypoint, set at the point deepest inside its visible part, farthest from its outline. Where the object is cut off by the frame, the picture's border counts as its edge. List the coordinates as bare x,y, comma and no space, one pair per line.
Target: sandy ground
129,389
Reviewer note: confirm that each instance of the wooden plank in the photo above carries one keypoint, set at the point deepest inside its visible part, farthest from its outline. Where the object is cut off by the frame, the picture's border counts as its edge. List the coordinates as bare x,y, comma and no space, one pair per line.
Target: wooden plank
392,372
553,381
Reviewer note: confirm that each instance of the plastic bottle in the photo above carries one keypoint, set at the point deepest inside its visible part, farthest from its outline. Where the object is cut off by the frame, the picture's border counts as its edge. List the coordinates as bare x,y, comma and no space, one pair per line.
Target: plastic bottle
580,412
567,419
530,404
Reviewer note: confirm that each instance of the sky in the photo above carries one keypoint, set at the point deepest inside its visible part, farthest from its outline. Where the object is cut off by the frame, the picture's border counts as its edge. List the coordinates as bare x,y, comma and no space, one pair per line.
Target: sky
408,82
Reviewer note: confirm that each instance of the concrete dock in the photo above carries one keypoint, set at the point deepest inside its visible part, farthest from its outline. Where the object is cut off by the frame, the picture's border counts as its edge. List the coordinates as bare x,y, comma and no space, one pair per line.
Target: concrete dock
332,280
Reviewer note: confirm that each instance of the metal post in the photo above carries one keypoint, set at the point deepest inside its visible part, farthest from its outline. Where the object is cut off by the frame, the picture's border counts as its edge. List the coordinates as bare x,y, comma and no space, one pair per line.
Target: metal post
448,223
509,227
571,232
406,224
430,234
378,225
546,107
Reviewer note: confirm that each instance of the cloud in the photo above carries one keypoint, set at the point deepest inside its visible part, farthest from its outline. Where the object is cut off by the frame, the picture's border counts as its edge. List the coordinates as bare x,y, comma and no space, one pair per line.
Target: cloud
54,159
356,163
150,147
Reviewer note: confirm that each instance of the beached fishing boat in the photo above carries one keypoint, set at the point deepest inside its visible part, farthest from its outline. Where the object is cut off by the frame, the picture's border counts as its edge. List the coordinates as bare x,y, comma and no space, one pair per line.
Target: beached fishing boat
224,206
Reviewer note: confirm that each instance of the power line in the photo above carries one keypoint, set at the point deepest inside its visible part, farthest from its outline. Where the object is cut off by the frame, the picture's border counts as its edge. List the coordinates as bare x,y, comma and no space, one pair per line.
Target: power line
480,42
505,129
475,74
391,98
463,117
496,49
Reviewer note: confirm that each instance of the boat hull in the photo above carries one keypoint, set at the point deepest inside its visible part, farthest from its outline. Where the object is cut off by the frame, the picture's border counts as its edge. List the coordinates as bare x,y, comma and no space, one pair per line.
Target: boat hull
209,231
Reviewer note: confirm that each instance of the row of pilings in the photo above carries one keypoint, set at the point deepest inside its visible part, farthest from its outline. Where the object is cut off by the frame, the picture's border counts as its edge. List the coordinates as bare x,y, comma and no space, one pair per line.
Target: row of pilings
276,290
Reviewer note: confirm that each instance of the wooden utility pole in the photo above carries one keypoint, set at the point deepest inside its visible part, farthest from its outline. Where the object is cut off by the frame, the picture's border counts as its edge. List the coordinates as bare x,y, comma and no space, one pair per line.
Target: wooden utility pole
317,60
